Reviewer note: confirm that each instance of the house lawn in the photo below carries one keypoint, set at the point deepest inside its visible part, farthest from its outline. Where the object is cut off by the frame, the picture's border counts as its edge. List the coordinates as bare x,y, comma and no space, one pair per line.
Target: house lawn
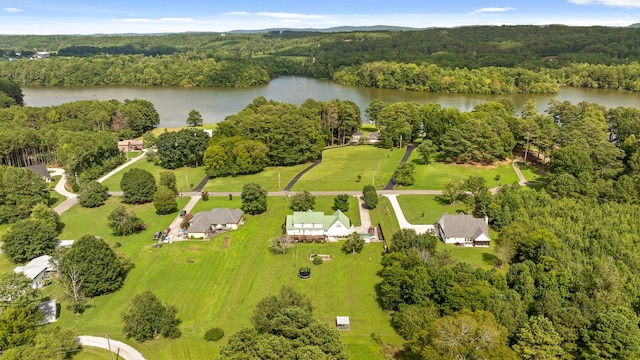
340,168
426,209
436,174
192,174
268,178
217,283
475,256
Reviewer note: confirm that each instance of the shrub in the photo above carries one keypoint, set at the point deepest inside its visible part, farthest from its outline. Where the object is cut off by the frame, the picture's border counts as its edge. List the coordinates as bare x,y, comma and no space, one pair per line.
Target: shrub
214,334
317,260
205,195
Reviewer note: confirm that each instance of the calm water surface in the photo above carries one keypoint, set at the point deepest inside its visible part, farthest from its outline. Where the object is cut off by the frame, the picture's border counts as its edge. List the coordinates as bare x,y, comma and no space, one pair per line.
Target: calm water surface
174,104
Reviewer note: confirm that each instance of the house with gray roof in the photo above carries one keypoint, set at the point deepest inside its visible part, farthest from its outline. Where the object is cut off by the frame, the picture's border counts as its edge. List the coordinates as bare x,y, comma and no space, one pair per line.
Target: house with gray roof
41,169
463,230
315,225
207,223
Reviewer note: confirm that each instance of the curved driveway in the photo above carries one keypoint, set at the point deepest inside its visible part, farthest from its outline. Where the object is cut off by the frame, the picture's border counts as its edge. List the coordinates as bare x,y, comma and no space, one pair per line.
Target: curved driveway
121,349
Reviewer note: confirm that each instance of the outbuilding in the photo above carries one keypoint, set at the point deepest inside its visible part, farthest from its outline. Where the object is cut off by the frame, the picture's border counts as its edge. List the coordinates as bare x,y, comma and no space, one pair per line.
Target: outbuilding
342,323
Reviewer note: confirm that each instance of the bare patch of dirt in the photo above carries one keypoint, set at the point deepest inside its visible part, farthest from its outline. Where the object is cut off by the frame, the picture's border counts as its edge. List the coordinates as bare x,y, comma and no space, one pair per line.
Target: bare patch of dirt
227,242
194,248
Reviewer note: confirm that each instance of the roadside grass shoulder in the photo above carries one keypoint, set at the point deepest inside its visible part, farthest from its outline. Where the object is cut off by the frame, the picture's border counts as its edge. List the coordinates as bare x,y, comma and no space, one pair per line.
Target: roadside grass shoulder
91,353
219,282
436,174
268,178
341,167
426,209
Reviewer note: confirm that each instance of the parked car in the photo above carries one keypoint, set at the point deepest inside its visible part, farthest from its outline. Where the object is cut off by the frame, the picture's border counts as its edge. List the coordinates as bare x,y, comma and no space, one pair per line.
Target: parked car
157,235
183,213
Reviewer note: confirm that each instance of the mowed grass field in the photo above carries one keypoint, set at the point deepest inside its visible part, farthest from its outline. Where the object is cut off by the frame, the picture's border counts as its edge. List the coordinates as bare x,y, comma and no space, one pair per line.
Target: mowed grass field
268,178
436,174
340,168
192,175
217,283
426,209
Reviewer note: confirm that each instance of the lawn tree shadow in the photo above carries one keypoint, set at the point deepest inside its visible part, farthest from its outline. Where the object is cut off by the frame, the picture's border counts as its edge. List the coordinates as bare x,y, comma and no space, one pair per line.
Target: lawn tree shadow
417,162
490,259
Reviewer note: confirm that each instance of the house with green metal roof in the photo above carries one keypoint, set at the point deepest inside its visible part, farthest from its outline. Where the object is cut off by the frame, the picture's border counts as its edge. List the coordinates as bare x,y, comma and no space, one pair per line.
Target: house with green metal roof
315,225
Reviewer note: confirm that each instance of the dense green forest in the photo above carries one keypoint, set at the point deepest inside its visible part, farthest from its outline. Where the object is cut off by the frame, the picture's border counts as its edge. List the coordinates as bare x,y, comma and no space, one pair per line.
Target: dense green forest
81,136
483,59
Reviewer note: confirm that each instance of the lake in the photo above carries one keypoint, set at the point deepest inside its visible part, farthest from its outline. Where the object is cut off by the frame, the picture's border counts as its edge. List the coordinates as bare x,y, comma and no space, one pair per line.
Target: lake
174,104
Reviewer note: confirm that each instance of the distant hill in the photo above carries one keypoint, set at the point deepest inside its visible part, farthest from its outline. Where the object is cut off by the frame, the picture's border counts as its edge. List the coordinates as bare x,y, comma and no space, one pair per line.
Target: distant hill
636,25
330,30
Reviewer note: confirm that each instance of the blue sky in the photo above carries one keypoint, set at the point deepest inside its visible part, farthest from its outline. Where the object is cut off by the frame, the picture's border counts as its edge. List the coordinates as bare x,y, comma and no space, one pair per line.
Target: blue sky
143,16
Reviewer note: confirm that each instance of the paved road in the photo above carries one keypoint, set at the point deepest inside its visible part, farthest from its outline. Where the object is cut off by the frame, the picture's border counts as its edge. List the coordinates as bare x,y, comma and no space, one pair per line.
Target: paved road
402,221
122,350
121,167
72,198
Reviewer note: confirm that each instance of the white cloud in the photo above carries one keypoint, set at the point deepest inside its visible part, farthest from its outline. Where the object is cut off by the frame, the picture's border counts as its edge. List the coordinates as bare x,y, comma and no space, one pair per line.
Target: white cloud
283,15
12,10
493,9
613,3
241,13
162,20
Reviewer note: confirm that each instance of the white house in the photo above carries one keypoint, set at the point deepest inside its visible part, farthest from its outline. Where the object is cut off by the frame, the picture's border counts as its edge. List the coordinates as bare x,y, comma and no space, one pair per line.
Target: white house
463,230
37,270
315,225
206,223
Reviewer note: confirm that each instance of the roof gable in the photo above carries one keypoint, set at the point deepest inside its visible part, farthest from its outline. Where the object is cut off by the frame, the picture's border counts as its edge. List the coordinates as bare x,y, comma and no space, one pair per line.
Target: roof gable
203,220
463,226
40,169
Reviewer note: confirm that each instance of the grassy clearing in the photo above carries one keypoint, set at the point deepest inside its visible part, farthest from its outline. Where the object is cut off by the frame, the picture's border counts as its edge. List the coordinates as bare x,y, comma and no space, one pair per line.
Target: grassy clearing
55,199
158,131
426,209
435,175
479,257
218,282
268,178
532,173
340,168
183,174
385,216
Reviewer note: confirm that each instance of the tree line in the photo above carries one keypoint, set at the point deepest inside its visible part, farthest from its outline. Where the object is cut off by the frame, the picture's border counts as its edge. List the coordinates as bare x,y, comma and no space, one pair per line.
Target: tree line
81,136
270,133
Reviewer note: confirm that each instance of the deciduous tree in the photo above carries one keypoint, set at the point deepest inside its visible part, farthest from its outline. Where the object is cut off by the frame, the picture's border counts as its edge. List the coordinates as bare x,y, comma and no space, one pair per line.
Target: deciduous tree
146,318
101,269
370,197
123,221
341,202
353,244
254,199
28,239
164,200
138,186
194,118
405,174
302,201
93,194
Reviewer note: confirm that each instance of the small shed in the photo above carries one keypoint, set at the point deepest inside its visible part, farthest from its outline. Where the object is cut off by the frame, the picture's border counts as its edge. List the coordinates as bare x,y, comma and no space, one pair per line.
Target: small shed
50,311
342,323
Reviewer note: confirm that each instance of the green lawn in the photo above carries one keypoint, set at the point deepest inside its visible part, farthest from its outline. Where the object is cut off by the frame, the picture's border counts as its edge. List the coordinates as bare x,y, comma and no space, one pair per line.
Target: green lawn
340,168
426,209
55,199
532,174
89,353
436,174
479,257
268,178
217,283
183,174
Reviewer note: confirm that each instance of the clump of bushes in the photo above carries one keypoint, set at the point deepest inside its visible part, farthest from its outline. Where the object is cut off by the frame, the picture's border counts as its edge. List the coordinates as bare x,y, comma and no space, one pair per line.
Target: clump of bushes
214,334
317,260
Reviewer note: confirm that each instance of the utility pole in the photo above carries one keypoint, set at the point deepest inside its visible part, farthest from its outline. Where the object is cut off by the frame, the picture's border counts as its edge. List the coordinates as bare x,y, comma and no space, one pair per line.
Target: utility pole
109,344
187,178
279,181
373,181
